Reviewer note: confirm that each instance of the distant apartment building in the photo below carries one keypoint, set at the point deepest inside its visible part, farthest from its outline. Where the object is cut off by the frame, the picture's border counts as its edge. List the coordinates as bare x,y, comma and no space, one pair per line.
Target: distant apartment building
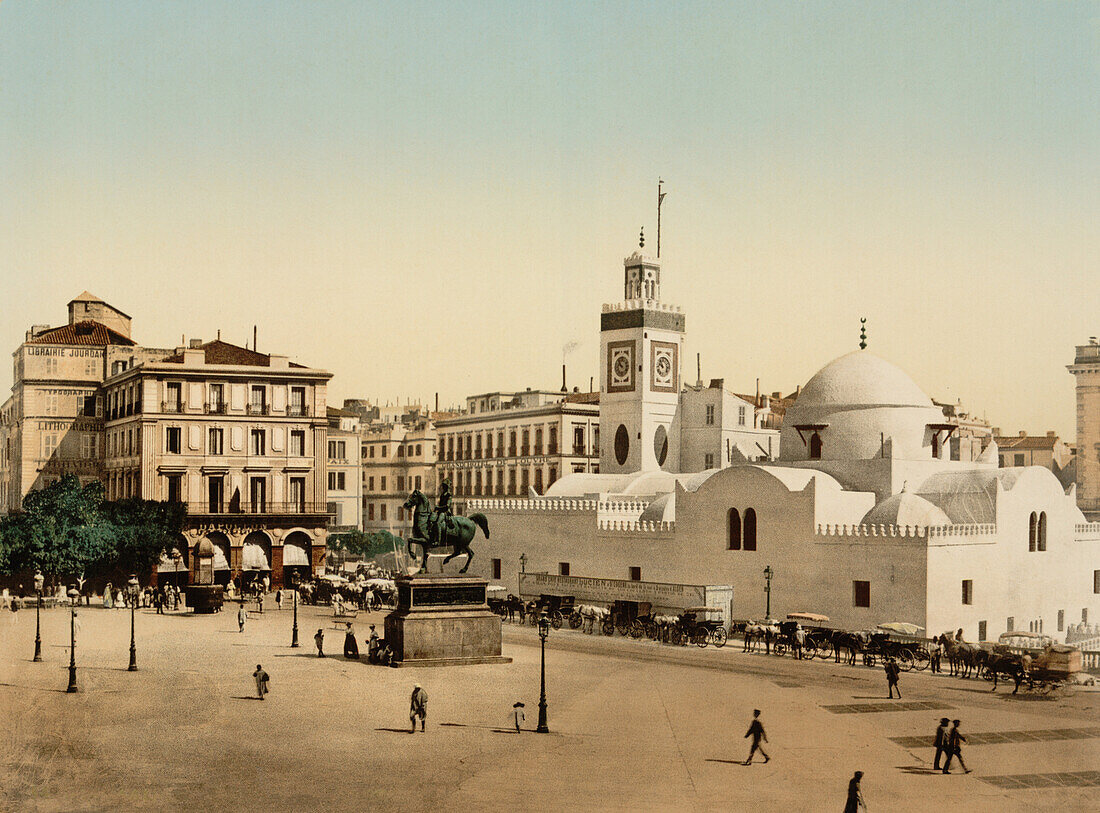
717,428
241,438
398,456
345,482
1046,450
52,424
507,443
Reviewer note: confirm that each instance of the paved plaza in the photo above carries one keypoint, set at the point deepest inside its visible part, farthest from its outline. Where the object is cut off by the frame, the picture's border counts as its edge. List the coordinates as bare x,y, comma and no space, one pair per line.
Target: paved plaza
636,726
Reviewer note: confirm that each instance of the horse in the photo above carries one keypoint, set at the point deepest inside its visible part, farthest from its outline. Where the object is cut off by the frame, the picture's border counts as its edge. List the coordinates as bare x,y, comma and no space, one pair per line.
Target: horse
458,536
755,631
961,656
853,644
1017,667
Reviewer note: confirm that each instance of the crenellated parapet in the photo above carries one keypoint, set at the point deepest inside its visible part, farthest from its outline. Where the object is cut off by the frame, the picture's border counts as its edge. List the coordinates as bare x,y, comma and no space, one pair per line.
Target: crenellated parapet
635,527
984,531
1086,531
640,304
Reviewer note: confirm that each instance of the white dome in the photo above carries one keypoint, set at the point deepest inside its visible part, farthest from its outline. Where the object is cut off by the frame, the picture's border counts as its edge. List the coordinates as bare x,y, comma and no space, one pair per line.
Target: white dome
906,508
861,379
861,407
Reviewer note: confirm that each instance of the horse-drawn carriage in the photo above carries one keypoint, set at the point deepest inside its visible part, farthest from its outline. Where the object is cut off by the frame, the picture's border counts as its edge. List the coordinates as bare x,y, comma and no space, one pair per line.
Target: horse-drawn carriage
690,629
1033,658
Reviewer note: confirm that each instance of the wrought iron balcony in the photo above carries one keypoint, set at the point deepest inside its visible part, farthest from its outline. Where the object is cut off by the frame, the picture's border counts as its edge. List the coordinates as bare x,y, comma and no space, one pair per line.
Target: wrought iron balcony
257,409
297,411
215,409
171,406
267,507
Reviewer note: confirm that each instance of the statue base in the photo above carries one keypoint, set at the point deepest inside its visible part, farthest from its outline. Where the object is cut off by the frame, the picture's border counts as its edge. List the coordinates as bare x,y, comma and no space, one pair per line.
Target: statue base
443,621
204,598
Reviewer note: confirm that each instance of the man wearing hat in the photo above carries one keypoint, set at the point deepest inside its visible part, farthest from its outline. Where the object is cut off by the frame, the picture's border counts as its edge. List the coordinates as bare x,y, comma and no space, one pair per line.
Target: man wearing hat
955,739
517,713
418,707
941,742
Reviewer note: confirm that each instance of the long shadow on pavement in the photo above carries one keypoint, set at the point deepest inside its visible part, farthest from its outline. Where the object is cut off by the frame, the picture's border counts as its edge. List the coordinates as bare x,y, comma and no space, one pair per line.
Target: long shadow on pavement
396,730
916,770
34,688
243,697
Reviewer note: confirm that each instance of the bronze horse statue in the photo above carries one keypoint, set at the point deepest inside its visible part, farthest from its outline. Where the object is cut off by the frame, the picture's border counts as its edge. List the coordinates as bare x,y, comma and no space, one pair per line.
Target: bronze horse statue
457,532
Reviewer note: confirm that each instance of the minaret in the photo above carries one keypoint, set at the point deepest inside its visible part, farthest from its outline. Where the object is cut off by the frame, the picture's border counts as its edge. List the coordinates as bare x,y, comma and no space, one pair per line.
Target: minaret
641,340
1086,369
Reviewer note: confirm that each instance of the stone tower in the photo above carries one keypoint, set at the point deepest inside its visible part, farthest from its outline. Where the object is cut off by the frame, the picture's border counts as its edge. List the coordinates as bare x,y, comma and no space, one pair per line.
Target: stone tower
641,343
1086,369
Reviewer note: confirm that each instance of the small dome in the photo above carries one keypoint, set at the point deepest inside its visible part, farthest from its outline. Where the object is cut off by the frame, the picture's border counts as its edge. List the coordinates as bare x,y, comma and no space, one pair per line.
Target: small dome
906,508
861,379
204,549
662,509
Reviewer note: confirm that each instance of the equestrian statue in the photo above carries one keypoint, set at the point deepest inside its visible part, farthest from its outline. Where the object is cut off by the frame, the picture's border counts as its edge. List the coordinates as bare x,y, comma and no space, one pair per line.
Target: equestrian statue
441,528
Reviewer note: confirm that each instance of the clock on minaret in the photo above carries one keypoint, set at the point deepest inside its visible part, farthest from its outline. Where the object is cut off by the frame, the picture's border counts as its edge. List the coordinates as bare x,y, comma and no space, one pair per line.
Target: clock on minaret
664,367
620,366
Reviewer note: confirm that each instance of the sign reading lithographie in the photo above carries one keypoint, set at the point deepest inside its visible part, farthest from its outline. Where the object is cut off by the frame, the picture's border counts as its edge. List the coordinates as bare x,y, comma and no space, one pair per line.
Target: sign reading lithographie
607,590
446,595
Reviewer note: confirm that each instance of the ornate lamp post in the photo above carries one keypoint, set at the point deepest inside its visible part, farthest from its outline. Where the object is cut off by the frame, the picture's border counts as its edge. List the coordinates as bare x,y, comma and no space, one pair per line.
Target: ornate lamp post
73,595
523,563
768,590
294,631
133,585
544,631
39,580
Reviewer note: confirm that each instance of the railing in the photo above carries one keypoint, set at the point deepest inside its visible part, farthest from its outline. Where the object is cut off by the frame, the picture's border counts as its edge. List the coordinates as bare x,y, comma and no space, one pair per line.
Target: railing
264,507
215,409
578,448
171,406
297,410
257,409
1090,661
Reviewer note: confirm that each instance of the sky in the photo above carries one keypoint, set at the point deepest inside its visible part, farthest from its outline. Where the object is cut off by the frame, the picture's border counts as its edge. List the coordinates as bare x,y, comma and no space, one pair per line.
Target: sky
437,197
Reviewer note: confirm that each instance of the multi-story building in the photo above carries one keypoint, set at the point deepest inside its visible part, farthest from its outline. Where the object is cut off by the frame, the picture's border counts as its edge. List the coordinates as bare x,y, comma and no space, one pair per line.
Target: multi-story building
1046,450
238,436
1086,369
345,481
397,457
717,428
53,422
507,443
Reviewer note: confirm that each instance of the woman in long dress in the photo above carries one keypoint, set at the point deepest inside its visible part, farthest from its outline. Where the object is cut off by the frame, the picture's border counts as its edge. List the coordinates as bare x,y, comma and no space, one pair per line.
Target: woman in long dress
351,647
108,596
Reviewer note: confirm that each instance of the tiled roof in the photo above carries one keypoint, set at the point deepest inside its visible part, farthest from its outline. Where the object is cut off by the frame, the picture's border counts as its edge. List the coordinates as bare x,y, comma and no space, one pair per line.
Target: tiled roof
1026,442
336,412
219,352
86,297
88,332
582,398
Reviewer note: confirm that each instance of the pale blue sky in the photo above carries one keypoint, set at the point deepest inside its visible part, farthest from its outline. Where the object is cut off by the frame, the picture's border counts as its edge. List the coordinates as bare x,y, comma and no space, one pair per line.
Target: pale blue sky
338,172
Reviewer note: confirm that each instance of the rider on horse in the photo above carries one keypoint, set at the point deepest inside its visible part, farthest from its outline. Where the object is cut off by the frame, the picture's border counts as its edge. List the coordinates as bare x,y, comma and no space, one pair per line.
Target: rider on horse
441,517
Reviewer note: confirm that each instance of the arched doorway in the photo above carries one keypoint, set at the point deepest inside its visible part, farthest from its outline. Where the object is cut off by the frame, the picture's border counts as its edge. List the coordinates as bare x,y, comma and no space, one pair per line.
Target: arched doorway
296,566
255,558
221,557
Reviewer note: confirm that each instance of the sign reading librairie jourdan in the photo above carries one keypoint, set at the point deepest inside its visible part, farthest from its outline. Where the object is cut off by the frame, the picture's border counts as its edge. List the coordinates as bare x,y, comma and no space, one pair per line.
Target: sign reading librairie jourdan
608,590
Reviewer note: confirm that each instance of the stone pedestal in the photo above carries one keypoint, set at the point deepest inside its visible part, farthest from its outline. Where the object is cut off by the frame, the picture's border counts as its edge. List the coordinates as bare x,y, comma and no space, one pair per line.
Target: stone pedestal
204,598
443,621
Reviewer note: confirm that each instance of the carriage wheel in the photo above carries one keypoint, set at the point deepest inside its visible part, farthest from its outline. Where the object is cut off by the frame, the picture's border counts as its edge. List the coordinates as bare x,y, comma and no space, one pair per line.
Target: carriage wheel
556,620
623,627
809,649
676,636
608,627
700,638
868,659
824,649
905,660
921,659
575,621
651,631
718,637
779,648
637,629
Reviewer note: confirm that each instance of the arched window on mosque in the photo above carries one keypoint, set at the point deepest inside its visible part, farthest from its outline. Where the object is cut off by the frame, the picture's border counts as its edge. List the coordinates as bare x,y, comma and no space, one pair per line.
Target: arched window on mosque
815,446
1041,533
734,529
749,535
1032,532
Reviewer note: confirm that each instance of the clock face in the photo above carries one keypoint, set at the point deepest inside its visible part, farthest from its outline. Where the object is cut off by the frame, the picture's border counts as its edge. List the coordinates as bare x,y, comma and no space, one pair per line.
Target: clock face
664,367
620,369
622,366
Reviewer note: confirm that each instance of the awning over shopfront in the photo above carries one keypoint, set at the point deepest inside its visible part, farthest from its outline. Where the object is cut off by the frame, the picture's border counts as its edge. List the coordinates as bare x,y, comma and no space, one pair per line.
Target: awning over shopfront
171,562
253,557
295,556
221,560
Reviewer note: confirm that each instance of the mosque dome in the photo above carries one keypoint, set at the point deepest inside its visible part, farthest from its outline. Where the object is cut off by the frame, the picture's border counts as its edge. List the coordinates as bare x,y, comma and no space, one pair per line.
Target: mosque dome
662,509
906,508
858,407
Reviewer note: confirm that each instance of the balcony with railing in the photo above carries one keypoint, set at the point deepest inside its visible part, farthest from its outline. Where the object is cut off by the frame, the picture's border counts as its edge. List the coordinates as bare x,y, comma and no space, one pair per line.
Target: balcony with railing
297,411
216,409
257,409
171,406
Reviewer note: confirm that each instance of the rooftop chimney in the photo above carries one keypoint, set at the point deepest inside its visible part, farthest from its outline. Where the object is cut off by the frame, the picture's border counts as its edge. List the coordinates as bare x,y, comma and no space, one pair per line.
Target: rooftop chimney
1050,433
194,344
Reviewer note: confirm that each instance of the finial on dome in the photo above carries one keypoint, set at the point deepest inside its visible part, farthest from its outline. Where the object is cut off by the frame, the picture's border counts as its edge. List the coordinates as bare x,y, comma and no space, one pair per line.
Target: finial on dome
641,238
905,487
862,333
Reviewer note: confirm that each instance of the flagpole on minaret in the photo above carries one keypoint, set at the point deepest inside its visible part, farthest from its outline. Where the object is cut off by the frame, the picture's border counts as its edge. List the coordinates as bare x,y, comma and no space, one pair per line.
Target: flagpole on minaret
660,199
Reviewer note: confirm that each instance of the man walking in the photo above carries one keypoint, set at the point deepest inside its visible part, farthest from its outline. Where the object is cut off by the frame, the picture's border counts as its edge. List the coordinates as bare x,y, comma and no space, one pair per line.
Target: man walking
855,796
518,715
241,616
941,743
891,668
756,731
261,681
418,707
319,639
955,739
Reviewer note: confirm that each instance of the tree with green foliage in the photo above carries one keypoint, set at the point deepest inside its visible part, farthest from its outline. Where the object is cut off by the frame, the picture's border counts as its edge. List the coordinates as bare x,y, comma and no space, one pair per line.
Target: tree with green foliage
365,545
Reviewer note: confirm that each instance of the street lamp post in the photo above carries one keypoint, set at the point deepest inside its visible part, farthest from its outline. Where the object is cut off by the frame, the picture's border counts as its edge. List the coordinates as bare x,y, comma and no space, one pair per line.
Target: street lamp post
39,580
73,594
768,590
133,585
523,563
294,631
544,631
